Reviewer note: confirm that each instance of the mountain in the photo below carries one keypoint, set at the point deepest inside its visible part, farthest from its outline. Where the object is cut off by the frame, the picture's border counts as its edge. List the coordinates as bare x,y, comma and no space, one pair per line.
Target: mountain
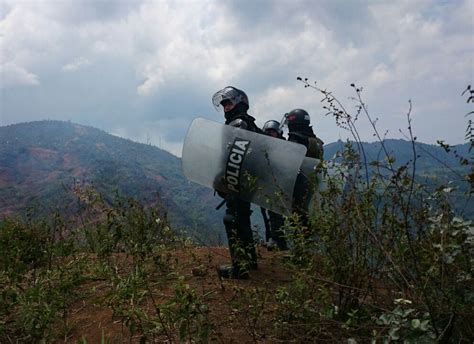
428,156
434,166
433,163
41,161
128,278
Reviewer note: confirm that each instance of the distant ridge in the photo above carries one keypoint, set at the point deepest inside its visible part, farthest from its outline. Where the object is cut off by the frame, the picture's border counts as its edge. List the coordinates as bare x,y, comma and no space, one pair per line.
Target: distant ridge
433,166
38,159
428,155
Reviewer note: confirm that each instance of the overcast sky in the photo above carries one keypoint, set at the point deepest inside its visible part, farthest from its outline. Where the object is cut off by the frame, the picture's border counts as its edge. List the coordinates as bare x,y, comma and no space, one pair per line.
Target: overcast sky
144,69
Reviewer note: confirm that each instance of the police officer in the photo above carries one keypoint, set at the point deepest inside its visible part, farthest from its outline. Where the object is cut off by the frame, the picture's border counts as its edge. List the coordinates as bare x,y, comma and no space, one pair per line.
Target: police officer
273,221
272,128
300,131
237,216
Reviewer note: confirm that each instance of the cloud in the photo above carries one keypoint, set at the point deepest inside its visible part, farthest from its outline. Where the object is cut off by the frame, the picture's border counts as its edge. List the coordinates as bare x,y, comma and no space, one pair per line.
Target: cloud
76,64
78,11
12,75
159,133
381,74
5,8
162,60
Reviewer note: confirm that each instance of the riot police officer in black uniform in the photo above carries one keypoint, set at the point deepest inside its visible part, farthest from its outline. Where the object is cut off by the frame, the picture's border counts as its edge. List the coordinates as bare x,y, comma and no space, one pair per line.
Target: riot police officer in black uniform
300,131
273,221
237,216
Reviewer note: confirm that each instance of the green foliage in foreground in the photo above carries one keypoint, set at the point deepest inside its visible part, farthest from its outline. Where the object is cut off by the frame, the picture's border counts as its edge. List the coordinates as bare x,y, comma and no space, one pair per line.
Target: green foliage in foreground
47,265
383,261
386,257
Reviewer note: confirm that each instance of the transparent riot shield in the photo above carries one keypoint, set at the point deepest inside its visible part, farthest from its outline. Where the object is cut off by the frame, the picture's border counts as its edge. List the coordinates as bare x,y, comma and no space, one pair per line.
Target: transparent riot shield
307,183
255,167
309,168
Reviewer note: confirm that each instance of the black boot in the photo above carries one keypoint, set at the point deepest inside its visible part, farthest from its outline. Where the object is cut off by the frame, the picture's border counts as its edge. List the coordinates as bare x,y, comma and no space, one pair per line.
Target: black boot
229,271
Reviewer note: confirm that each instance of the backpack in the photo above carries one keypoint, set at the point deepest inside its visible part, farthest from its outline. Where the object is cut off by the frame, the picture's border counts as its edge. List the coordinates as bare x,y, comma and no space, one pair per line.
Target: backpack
313,144
315,148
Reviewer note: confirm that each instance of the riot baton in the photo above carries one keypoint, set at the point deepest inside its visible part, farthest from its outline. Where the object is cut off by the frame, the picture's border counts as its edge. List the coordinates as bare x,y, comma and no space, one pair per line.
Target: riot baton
221,204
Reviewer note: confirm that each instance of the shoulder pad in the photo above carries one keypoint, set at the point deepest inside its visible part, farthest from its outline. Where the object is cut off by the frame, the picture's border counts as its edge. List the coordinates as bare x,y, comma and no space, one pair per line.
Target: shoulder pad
238,123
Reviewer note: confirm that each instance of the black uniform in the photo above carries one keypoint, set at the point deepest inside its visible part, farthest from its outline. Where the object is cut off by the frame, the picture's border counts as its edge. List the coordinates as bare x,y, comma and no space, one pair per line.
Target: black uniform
275,233
306,137
303,134
274,222
237,214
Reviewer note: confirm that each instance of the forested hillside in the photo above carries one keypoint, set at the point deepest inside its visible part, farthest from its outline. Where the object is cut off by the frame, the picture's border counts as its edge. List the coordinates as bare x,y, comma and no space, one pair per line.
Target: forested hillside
433,165
42,162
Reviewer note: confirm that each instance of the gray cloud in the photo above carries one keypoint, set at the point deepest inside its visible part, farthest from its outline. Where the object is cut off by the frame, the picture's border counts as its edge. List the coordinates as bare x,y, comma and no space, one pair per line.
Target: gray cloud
13,75
145,69
82,11
76,64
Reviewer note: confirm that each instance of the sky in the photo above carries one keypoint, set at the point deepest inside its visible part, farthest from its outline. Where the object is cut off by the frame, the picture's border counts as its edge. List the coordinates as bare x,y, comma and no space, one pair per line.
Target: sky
143,70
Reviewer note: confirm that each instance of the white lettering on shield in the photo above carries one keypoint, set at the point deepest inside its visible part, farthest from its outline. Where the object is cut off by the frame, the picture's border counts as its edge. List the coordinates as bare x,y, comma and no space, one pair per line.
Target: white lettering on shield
234,164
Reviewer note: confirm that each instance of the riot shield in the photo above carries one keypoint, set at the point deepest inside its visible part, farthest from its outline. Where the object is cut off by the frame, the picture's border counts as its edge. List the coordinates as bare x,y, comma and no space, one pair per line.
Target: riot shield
307,183
308,167
255,167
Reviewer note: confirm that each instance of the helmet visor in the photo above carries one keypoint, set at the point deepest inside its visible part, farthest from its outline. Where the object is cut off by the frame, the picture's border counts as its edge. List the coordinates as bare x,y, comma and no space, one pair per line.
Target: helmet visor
229,94
284,121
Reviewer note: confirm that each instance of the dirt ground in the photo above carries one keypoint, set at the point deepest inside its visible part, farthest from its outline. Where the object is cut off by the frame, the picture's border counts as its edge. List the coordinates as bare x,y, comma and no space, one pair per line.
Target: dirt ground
92,321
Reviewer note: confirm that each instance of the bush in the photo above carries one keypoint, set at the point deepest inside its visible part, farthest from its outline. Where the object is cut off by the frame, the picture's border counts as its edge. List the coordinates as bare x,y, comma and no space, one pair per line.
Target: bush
381,236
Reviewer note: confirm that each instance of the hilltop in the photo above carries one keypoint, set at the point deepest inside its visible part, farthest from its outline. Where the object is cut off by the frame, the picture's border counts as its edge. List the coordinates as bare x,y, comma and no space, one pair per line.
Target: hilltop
40,163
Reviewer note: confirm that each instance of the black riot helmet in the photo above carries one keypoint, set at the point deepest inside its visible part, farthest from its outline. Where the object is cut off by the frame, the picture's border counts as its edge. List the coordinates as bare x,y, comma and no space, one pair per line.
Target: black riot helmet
296,120
232,94
272,125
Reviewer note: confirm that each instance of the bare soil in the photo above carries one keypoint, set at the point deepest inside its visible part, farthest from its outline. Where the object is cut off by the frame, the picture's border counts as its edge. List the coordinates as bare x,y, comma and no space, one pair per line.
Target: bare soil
91,320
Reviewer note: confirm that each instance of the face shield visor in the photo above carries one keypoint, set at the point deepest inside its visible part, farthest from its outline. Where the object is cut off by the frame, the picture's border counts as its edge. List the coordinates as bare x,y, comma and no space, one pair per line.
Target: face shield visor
284,121
231,94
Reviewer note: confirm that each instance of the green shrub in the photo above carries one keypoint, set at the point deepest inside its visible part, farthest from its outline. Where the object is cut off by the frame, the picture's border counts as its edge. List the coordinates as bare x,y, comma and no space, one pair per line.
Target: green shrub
382,235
